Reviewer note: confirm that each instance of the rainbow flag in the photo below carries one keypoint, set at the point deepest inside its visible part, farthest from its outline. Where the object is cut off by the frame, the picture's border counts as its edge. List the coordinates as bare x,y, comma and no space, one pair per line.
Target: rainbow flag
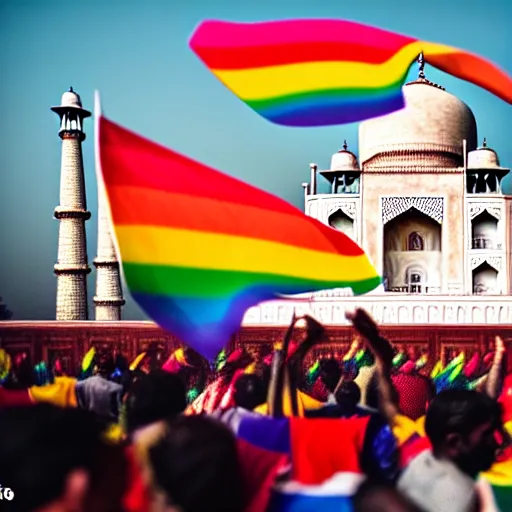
267,445
500,478
334,495
198,247
318,72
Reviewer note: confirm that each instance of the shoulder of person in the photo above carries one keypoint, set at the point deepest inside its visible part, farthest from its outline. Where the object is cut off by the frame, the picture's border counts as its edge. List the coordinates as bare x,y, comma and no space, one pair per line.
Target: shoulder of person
442,483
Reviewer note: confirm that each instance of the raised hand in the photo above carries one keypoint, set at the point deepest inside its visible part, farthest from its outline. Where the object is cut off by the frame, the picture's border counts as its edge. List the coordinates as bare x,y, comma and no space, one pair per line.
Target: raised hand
499,345
364,324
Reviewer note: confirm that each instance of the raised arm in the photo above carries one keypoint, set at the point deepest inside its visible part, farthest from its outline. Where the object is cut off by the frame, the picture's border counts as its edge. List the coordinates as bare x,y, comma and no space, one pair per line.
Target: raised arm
494,380
383,353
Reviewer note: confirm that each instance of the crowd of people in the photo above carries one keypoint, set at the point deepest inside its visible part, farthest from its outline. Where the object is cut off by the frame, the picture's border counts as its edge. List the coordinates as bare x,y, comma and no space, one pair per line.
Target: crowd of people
375,430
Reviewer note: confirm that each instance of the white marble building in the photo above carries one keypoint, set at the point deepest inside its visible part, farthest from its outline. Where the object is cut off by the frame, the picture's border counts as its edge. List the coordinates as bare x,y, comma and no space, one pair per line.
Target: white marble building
426,205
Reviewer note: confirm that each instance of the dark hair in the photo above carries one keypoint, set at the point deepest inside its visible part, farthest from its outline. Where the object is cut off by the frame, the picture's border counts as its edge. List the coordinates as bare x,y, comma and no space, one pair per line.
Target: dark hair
249,391
349,394
196,465
153,397
458,411
195,373
105,363
330,373
40,446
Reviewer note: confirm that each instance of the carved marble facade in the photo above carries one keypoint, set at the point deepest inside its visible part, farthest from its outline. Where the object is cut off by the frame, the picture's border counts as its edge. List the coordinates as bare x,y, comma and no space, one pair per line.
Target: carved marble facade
391,309
392,207
322,206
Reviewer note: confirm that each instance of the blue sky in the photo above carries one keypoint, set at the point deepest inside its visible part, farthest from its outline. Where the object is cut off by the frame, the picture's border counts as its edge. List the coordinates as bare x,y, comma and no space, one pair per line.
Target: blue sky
136,54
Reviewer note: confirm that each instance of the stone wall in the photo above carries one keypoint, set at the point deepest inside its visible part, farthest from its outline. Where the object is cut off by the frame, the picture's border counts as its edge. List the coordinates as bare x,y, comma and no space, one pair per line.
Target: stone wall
70,340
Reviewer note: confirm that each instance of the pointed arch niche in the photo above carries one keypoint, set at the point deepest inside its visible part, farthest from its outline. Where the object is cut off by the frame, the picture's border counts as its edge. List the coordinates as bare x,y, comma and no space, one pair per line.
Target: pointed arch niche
484,231
342,222
412,253
485,279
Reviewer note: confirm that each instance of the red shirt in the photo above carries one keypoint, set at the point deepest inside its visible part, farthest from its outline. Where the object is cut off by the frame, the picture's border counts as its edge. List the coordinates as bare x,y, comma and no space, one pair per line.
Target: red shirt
137,497
414,393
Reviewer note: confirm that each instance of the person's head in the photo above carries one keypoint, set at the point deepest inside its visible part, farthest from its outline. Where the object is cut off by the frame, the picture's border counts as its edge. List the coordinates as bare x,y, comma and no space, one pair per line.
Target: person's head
249,391
105,364
56,459
330,373
195,466
153,397
462,426
348,394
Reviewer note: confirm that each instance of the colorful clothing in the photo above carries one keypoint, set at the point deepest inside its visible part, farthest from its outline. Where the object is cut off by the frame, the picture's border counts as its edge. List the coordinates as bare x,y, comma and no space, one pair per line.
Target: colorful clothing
379,458
61,393
14,397
334,495
137,497
315,457
414,392
99,395
305,403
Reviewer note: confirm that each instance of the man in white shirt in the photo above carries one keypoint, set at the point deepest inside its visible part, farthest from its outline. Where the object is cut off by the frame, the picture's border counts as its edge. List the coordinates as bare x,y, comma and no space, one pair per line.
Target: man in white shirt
462,427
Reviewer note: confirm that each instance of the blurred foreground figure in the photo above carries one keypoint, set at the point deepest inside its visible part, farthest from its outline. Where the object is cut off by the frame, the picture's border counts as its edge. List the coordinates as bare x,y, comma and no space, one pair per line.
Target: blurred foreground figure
250,392
378,498
56,460
195,467
463,428
155,396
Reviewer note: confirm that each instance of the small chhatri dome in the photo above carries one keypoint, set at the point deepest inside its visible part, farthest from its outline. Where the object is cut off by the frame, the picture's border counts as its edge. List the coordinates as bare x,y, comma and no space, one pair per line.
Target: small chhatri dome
344,160
71,102
71,99
483,157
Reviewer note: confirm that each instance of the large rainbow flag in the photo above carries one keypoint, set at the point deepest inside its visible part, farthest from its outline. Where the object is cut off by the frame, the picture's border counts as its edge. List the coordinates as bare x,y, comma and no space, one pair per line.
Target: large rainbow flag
318,72
198,247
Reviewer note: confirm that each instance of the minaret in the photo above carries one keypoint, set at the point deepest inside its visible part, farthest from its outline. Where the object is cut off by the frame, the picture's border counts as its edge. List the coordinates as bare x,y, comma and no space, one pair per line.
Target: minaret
72,265
109,295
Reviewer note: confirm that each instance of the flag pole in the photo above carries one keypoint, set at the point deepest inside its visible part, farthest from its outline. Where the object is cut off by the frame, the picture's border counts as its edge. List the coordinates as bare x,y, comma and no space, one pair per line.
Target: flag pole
466,233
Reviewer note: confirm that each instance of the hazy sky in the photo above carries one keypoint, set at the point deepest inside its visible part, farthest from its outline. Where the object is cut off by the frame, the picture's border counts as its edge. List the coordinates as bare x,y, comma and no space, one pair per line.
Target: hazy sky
136,54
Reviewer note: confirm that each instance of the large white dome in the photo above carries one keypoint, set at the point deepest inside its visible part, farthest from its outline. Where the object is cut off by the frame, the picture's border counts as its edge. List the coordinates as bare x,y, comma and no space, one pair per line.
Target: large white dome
432,126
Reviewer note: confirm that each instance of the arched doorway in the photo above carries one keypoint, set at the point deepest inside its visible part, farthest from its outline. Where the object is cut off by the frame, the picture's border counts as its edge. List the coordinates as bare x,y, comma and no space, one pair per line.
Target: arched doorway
412,253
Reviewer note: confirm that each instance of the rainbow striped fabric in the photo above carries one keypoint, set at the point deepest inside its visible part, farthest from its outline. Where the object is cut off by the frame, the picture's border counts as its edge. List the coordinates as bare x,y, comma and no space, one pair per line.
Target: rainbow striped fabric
500,478
334,495
318,72
198,247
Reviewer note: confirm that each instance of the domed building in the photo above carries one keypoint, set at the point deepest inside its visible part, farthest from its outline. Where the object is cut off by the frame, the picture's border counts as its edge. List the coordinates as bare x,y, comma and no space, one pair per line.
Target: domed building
422,199
427,206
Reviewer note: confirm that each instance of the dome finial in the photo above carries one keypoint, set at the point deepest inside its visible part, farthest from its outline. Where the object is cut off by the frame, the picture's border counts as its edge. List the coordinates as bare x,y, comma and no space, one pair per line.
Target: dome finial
71,89
421,65
345,145
484,144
